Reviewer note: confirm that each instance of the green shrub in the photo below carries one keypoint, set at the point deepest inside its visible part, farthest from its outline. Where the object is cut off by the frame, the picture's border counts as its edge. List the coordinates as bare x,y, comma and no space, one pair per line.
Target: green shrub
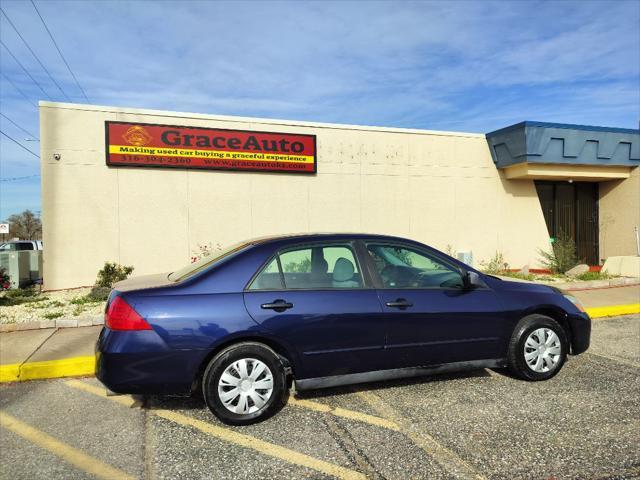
5,281
112,273
495,265
19,296
52,315
518,275
99,294
562,256
86,299
593,276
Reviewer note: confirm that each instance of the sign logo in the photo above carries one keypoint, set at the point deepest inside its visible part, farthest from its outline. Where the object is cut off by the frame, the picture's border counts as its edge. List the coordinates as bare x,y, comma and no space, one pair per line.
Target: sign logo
175,146
137,136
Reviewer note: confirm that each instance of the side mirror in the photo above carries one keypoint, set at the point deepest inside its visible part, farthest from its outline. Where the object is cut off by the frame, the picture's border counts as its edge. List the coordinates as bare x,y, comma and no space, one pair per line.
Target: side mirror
472,280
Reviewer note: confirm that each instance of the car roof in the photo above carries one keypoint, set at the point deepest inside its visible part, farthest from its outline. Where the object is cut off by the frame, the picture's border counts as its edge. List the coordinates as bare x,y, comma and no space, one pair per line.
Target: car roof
303,237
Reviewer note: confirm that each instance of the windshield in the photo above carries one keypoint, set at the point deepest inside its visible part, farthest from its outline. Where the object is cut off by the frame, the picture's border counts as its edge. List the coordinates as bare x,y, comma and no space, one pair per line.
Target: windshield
205,262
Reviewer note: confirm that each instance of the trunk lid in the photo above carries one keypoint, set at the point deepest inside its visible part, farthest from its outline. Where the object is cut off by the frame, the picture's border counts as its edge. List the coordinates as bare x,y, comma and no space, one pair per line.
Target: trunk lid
143,282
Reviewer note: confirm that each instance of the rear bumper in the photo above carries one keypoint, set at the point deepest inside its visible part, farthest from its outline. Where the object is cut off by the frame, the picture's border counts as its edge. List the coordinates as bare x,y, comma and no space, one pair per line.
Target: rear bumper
141,363
580,332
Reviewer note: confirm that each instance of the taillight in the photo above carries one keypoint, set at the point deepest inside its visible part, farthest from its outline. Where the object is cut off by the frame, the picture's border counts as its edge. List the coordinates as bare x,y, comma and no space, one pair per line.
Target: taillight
121,316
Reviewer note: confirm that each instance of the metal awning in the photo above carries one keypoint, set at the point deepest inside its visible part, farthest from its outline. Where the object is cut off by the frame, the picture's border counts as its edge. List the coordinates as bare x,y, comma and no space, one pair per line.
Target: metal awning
551,151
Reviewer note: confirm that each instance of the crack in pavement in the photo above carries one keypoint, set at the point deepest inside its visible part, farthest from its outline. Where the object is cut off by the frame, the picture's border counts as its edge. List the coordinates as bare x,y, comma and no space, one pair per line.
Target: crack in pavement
34,352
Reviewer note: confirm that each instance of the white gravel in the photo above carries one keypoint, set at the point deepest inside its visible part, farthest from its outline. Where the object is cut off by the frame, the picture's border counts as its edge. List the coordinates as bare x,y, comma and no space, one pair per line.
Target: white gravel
53,305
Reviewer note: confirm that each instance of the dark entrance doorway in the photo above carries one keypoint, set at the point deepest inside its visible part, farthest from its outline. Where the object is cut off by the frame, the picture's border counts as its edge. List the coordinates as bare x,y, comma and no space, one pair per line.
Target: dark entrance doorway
572,209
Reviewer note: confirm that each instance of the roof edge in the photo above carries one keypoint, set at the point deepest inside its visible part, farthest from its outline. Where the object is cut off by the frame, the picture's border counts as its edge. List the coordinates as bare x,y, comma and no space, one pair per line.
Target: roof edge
265,121
568,126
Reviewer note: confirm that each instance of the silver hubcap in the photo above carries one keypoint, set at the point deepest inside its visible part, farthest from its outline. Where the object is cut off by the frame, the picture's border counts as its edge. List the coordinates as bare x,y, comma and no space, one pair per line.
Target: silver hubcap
542,350
245,386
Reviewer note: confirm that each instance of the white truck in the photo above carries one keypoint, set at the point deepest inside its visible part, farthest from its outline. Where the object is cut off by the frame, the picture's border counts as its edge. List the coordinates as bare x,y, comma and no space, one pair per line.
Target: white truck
19,245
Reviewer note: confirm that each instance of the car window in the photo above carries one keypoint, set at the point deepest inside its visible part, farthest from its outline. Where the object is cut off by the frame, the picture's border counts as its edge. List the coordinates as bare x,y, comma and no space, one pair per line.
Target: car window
7,246
25,246
205,262
403,267
309,267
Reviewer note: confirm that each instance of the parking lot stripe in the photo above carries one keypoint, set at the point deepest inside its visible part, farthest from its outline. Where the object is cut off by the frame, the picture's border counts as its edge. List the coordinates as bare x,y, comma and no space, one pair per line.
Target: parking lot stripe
345,413
228,435
126,400
451,462
68,453
261,446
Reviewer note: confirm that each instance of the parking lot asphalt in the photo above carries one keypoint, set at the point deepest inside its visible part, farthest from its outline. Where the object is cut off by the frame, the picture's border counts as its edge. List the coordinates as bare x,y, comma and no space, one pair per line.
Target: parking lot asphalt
582,424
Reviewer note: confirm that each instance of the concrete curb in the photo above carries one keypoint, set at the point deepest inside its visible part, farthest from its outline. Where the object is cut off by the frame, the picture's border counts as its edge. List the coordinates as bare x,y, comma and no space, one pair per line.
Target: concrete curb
613,310
597,284
67,367
56,323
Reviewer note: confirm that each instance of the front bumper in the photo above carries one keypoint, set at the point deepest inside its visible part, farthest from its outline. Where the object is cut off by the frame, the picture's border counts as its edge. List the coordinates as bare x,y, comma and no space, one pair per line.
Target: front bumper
580,325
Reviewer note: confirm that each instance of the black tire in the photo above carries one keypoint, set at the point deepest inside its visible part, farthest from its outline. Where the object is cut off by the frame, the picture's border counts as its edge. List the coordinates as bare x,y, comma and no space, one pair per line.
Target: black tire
223,360
516,353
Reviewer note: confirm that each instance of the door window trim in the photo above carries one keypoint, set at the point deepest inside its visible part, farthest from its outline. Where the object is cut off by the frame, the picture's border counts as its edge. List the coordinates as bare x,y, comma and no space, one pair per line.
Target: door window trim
352,245
421,250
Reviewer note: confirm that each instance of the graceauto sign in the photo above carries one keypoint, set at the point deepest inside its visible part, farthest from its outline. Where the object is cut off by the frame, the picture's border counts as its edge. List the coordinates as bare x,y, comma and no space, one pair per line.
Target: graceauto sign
147,145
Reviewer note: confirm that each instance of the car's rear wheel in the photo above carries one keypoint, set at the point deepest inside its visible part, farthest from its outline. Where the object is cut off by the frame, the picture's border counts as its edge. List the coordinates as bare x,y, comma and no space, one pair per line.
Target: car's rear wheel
538,348
244,384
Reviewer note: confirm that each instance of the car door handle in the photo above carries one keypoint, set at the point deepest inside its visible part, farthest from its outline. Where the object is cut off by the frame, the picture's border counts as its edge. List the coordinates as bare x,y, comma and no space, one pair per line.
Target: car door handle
400,303
277,305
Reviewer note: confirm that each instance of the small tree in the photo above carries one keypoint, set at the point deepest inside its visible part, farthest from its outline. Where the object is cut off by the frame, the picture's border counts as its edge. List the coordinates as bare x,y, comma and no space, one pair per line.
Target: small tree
25,225
495,265
562,256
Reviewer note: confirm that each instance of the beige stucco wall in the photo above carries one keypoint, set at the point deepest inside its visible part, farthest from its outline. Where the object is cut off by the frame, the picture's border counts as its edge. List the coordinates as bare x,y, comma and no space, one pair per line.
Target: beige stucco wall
619,209
436,187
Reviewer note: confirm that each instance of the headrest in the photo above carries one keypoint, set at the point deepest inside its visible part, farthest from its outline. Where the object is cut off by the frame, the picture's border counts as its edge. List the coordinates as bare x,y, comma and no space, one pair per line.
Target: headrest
343,270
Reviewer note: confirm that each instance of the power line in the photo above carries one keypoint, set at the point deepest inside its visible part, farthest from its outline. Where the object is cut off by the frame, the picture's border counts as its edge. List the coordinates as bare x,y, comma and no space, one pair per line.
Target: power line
25,131
11,179
59,51
25,70
19,144
18,89
33,53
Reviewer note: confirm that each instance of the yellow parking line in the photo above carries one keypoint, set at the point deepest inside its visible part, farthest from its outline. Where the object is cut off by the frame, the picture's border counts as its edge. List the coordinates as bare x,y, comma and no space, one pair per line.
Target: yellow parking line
613,310
126,400
68,453
451,462
230,436
345,413
261,446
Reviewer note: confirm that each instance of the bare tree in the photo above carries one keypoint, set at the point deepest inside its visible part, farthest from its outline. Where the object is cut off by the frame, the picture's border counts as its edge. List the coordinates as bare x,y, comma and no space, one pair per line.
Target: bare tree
25,226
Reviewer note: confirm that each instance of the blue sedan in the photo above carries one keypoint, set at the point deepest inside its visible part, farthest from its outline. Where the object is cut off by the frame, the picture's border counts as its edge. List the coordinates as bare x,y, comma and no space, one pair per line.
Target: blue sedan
321,311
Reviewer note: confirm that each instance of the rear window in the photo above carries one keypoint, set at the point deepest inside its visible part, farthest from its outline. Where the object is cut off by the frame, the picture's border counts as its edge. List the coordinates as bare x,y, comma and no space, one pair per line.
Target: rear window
205,262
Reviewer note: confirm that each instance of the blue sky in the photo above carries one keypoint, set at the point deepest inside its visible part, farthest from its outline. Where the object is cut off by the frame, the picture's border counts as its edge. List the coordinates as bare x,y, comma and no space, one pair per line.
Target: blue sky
457,65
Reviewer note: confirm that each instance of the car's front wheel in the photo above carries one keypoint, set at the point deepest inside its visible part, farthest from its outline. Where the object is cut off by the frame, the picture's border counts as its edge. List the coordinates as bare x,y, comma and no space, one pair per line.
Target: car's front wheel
538,348
244,384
